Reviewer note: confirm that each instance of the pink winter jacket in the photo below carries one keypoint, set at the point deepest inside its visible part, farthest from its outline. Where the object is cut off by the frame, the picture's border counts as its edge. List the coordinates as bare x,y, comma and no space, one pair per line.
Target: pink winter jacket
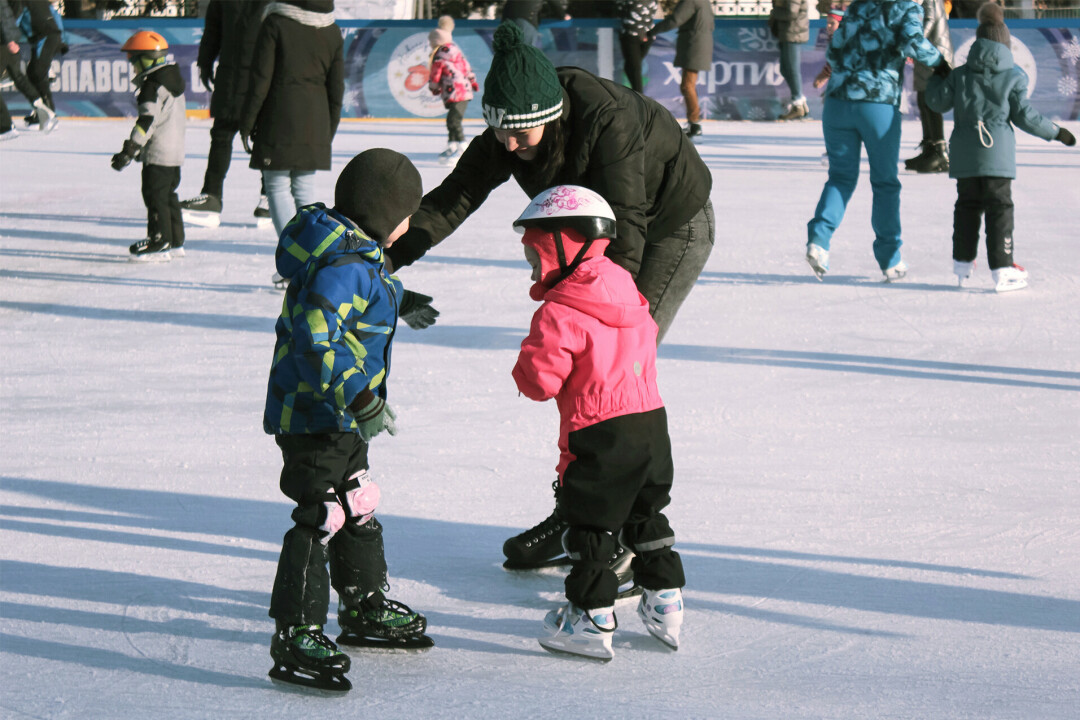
450,76
592,347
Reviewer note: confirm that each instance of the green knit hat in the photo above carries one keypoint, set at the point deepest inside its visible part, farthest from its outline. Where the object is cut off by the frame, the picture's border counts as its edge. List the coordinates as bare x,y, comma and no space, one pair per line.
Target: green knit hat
522,89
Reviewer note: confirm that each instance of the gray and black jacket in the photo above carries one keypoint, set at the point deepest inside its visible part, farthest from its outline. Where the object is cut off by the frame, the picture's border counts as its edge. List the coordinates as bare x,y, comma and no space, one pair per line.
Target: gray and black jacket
159,129
694,41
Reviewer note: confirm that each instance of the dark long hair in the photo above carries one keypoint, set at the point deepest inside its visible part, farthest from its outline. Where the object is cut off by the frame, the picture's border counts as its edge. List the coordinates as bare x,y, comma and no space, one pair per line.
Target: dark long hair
550,155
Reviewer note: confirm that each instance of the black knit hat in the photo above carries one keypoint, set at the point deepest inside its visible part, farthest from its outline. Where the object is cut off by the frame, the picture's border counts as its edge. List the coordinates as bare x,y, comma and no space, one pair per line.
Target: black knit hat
992,24
377,190
522,89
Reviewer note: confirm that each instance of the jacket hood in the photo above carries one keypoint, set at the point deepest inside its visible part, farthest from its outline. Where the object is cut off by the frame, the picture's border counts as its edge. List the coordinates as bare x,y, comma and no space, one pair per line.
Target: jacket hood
602,290
168,75
551,269
316,234
989,56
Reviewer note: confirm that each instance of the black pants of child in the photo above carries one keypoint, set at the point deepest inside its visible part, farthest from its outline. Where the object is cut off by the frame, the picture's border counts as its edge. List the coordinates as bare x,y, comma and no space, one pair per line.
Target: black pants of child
619,483
455,113
9,63
316,476
163,218
990,197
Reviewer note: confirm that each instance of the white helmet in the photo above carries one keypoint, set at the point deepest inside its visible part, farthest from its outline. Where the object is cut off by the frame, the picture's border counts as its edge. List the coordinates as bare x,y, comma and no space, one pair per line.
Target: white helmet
569,206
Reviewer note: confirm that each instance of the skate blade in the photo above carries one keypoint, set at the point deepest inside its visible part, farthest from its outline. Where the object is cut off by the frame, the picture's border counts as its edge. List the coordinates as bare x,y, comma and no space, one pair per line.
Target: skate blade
328,685
264,222
202,219
156,257
669,642
351,641
554,562
1011,287
578,656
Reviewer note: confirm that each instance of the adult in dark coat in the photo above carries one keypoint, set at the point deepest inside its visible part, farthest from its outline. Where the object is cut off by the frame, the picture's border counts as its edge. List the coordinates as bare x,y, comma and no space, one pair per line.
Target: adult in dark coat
693,51
229,40
526,15
293,103
568,127
9,64
790,25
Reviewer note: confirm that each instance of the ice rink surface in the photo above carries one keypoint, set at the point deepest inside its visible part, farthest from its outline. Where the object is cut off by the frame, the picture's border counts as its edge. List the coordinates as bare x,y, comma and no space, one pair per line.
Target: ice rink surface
877,494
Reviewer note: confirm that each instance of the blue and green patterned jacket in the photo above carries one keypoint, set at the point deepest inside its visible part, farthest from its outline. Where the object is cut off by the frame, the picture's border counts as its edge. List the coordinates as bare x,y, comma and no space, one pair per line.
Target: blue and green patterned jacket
336,326
868,50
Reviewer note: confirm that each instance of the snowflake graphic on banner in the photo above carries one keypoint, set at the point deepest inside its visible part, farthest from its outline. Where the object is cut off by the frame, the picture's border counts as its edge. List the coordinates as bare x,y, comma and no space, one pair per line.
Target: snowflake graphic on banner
1071,51
1067,86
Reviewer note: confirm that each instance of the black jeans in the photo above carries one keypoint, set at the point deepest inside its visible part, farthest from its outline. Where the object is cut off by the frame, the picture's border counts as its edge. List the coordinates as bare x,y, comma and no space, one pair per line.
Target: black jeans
933,124
634,51
619,482
315,475
976,197
159,183
9,62
38,67
455,112
670,267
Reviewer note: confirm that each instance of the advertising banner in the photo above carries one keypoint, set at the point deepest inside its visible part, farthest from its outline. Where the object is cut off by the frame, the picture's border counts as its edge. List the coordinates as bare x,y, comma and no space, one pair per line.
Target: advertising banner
387,64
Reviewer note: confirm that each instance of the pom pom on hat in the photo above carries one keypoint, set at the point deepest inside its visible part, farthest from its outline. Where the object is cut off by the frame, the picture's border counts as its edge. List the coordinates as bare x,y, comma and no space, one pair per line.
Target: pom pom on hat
992,24
522,89
446,23
439,37
377,190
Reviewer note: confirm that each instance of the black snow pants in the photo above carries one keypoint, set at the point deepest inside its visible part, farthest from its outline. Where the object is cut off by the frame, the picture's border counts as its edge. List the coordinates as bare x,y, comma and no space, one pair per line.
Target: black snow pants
976,197
159,183
455,112
316,474
619,482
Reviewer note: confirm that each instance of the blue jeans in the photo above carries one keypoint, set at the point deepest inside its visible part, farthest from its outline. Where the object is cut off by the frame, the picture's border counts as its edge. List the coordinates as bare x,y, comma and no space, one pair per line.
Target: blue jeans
288,191
791,67
847,127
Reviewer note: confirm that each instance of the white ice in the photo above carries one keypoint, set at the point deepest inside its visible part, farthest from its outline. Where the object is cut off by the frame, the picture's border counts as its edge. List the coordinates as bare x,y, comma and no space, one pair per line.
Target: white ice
877,493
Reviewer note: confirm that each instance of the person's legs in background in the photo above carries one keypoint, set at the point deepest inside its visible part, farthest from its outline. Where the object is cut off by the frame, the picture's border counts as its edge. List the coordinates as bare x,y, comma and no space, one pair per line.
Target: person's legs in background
688,88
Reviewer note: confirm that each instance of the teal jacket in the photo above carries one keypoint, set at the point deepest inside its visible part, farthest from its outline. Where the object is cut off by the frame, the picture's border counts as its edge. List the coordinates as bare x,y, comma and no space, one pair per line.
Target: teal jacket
988,95
336,325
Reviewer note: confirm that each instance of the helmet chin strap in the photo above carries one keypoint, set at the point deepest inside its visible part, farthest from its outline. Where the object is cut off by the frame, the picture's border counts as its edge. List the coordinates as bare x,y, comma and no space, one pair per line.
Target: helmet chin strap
566,268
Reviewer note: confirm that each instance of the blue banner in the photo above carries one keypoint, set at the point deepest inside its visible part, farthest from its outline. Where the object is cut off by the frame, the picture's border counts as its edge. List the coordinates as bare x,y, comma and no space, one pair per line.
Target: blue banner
387,62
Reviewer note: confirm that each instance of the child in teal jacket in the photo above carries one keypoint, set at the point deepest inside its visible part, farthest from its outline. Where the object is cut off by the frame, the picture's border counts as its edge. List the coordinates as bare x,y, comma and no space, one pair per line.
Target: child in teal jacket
988,95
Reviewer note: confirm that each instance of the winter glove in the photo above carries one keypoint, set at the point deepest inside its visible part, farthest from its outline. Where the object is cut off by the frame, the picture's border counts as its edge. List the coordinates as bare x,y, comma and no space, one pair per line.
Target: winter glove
372,415
123,158
942,69
416,310
1064,137
206,75
64,48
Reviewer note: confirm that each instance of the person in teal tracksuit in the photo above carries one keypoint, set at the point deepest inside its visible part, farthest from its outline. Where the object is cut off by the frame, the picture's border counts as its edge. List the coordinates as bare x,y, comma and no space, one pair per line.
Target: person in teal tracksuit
867,55
988,95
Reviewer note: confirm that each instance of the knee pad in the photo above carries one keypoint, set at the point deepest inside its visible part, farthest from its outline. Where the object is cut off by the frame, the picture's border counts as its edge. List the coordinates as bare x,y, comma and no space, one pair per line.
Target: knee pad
361,497
326,518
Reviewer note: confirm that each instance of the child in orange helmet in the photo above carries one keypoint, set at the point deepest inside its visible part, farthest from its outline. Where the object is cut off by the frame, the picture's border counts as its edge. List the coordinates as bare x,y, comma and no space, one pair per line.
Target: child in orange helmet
158,141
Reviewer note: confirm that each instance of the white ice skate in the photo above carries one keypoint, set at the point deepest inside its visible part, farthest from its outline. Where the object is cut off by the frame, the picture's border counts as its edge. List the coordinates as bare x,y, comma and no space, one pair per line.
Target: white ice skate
662,613
818,257
203,210
263,219
896,272
450,155
1010,278
586,633
963,271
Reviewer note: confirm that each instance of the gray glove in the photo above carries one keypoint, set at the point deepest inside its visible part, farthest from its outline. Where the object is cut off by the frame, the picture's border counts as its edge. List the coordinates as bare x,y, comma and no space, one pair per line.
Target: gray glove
372,415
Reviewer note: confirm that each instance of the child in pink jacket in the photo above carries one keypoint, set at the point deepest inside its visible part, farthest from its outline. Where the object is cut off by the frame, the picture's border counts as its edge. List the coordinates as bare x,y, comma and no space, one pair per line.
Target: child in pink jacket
592,347
451,78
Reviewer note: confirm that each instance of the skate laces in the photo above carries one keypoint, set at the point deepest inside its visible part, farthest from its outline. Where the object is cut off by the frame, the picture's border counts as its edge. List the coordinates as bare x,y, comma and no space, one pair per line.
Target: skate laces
312,641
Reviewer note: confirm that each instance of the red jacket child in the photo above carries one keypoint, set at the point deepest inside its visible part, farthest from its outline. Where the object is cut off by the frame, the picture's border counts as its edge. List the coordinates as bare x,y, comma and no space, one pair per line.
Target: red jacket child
450,76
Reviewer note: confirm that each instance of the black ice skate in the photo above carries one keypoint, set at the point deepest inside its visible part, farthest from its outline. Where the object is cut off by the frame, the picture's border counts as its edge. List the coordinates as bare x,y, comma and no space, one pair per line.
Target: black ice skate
150,250
933,159
381,624
540,546
204,210
620,563
303,656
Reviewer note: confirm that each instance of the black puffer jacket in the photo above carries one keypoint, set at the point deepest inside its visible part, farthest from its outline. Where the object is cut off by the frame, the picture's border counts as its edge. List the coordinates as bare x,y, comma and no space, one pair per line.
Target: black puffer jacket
229,38
623,145
293,102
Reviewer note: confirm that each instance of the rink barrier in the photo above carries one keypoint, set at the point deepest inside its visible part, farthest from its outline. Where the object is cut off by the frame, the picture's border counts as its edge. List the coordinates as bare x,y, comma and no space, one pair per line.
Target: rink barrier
386,66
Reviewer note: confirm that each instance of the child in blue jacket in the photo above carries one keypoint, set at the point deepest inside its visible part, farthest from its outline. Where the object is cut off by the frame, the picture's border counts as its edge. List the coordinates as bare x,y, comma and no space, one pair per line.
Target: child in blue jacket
988,95
326,399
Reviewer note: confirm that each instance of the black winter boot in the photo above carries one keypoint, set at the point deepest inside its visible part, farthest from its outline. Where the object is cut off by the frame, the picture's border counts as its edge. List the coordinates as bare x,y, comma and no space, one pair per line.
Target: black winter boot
934,160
